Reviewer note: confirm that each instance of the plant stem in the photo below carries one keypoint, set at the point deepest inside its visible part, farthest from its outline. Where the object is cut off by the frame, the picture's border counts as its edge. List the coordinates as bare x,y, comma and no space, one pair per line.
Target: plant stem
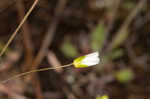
33,71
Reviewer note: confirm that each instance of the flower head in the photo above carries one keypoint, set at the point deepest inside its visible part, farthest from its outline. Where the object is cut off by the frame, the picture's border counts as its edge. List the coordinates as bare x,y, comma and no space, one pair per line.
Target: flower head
87,60
102,97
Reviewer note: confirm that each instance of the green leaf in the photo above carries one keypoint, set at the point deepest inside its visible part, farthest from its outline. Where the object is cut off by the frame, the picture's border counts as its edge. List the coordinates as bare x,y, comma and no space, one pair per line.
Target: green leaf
98,37
120,37
117,53
129,5
125,75
69,49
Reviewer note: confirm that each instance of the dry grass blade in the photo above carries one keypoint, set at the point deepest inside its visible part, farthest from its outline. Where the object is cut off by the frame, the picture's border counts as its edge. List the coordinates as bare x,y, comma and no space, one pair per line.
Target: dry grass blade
18,28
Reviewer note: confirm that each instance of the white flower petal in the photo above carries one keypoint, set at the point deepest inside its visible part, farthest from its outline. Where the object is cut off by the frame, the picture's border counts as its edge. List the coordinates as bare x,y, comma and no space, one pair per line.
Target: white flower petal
91,59
87,60
93,54
91,62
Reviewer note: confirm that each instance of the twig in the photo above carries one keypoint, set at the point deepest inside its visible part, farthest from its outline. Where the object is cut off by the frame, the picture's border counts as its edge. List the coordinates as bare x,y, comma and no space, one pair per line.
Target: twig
49,37
38,90
18,28
52,59
50,34
123,30
26,35
114,10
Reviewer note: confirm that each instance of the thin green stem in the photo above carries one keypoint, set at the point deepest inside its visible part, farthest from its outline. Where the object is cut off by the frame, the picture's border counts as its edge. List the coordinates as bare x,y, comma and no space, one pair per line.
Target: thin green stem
33,71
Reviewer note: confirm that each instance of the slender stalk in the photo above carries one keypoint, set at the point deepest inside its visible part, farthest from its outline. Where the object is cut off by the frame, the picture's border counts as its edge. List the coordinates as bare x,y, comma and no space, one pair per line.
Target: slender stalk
18,28
33,71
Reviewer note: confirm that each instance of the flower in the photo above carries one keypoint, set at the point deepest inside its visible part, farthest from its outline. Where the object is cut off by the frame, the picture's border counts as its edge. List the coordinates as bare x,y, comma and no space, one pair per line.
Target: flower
102,97
87,60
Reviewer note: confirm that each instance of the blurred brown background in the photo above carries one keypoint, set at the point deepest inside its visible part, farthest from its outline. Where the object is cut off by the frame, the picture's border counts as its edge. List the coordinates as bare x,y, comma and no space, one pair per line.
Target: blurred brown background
58,31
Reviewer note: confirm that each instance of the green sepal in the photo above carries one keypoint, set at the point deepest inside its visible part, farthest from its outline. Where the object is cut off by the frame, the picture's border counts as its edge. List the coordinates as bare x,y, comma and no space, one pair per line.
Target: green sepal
78,62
